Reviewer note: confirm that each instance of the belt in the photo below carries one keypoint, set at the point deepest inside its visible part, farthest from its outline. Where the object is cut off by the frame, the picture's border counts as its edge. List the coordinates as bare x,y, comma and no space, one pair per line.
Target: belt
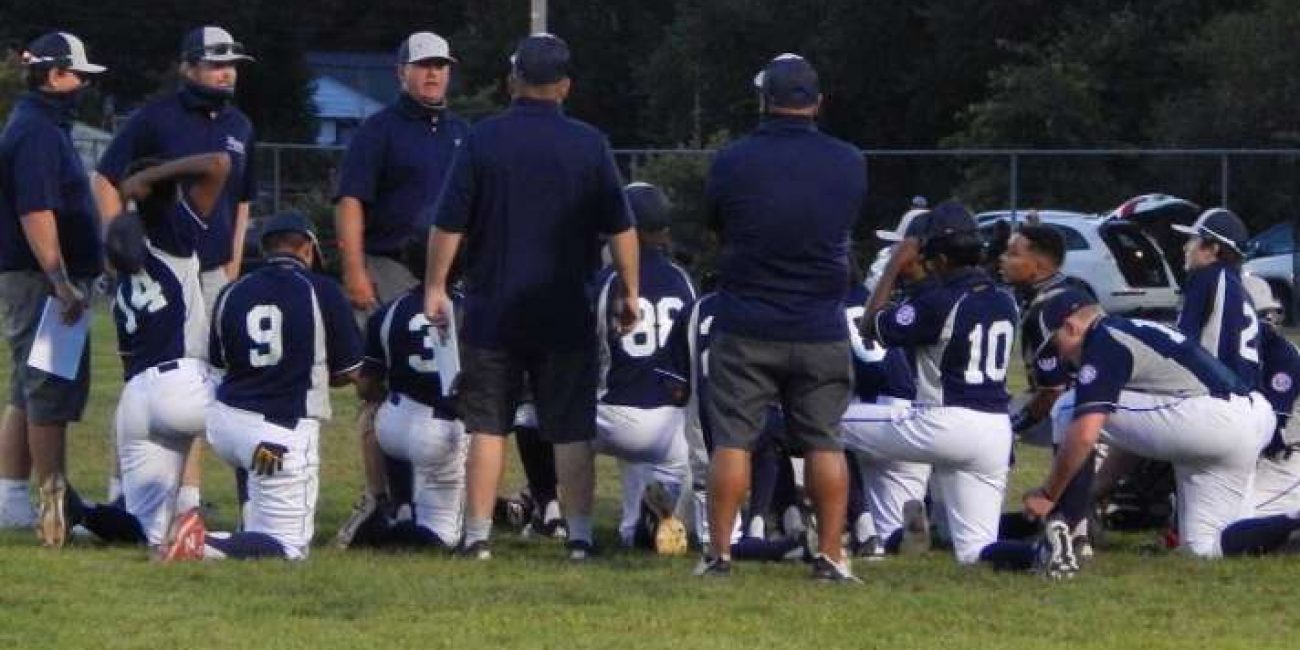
168,366
285,423
439,412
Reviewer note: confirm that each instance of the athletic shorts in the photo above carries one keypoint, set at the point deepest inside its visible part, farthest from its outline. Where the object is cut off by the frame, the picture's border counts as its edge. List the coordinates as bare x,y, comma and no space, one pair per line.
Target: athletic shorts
46,398
563,383
811,381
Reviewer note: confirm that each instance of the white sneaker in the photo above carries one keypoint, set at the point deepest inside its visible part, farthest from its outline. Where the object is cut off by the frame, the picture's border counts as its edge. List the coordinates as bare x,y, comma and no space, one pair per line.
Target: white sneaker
1056,559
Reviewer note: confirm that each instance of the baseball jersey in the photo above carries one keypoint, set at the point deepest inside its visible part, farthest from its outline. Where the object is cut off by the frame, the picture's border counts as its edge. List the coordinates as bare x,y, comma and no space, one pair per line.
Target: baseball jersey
1043,364
280,332
1279,373
877,371
1218,313
960,331
685,362
159,313
192,121
627,362
1142,356
400,347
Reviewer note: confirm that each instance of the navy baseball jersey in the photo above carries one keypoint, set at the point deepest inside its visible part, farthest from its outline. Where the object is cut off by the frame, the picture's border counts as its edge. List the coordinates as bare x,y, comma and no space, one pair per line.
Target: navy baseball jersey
1145,357
1218,313
280,332
960,332
877,371
628,362
192,121
400,347
685,363
155,323
1043,364
1279,373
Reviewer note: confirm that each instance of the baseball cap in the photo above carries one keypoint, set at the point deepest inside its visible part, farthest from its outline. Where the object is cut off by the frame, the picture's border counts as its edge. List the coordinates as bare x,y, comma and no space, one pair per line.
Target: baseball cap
1221,225
1061,306
60,50
649,205
947,218
1261,295
289,222
541,59
423,46
212,44
789,81
897,234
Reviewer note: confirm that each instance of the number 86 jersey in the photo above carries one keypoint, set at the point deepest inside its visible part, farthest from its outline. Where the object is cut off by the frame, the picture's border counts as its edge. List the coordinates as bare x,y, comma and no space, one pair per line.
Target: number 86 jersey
159,313
960,332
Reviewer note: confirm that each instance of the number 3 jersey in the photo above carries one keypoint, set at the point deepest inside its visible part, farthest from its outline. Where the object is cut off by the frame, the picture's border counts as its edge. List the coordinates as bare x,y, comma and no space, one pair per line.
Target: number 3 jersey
400,348
159,313
280,332
960,332
628,375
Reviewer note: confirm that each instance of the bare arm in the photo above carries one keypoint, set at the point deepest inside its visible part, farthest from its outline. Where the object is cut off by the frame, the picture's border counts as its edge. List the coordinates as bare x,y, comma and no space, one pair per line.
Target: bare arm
1074,452
237,250
370,387
349,226
344,378
107,199
443,245
42,232
209,172
627,260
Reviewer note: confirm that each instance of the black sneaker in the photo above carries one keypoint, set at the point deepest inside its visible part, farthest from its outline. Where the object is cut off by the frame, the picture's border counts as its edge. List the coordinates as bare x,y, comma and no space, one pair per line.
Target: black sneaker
826,570
479,550
871,549
1056,559
367,513
712,567
579,550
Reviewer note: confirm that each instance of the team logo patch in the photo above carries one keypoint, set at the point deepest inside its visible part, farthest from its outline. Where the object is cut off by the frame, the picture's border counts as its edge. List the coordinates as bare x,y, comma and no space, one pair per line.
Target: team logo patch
1281,382
1087,374
233,145
1047,364
906,315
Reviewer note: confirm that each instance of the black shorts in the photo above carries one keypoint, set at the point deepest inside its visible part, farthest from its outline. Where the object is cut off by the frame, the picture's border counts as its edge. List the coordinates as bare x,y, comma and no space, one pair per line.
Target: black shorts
812,382
46,398
563,383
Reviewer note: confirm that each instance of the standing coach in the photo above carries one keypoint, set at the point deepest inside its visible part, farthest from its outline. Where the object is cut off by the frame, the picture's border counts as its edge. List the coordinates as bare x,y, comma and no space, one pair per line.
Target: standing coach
531,193
784,200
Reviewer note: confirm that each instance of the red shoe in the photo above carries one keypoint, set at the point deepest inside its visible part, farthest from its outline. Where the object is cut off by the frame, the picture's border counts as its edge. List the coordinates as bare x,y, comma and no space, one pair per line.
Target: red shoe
188,537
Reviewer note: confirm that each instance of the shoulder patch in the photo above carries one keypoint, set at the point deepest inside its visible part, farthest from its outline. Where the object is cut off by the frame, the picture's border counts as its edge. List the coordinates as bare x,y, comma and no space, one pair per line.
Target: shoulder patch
1047,364
1281,382
906,315
1087,374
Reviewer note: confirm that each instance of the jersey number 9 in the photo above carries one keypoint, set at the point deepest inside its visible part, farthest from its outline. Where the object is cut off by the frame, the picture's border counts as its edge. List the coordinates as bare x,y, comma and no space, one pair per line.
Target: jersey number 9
264,324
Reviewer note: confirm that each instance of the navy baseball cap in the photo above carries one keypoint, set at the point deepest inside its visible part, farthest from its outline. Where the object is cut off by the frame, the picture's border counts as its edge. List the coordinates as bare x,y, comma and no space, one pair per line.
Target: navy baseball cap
541,59
1061,305
289,222
424,46
947,218
650,206
789,81
60,50
213,45
1220,225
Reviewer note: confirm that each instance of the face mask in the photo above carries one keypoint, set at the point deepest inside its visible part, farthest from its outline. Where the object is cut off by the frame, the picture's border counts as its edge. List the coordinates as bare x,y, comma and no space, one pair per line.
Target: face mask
206,97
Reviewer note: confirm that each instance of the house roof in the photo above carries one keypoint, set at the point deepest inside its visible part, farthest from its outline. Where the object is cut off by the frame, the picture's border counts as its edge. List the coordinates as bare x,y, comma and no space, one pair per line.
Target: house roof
370,73
336,100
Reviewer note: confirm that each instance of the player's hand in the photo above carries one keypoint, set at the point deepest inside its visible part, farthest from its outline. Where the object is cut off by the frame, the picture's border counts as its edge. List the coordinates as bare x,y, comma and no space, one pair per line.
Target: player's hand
629,314
906,252
437,308
268,458
74,302
360,290
134,190
1037,504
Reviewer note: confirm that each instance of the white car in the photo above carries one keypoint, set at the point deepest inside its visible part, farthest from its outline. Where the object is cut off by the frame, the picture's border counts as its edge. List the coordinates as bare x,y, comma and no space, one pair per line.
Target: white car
1121,265
1271,255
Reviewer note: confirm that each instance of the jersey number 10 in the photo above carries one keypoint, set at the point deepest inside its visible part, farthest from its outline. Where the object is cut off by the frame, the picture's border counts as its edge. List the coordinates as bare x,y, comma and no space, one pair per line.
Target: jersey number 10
990,352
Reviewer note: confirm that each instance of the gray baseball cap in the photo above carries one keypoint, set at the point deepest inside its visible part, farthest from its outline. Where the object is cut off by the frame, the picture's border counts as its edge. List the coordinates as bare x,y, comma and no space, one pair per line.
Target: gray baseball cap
213,45
424,46
60,50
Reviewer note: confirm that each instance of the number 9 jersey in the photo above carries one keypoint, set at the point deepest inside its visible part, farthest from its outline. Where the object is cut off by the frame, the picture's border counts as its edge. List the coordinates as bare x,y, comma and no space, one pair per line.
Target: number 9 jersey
960,332
627,363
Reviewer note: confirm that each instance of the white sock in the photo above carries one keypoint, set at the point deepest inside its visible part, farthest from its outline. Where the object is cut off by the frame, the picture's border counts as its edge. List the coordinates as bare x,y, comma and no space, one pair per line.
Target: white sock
16,503
863,527
551,512
579,529
757,527
114,488
477,530
188,497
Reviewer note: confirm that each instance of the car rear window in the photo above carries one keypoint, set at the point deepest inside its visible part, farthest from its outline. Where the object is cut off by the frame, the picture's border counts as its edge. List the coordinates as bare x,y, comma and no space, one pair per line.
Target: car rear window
1138,259
1073,240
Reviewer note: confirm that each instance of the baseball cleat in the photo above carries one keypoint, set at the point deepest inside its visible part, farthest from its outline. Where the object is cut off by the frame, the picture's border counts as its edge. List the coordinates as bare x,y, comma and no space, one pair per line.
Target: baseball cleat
187,537
669,531
871,549
1056,559
712,567
365,510
51,521
825,569
1082,541
479,550
916,529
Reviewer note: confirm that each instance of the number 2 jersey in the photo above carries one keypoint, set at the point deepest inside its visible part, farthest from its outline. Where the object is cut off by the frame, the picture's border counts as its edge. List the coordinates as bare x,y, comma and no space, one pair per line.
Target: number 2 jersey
400,347
1218,313
628,363
280,332
960,332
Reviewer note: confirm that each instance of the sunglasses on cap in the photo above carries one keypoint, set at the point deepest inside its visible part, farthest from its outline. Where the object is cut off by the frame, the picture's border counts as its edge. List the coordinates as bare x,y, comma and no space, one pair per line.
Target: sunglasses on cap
217,49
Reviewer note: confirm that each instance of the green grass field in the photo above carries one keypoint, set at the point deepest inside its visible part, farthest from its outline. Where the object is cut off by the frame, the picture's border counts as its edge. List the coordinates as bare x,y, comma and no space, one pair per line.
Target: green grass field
101,597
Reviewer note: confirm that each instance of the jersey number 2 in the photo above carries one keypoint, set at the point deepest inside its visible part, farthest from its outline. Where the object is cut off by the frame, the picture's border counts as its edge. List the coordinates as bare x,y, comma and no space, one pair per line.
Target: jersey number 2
989,354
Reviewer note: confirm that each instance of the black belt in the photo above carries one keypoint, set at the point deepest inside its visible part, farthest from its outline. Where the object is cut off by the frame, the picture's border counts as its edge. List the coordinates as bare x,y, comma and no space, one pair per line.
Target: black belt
285,423
168,366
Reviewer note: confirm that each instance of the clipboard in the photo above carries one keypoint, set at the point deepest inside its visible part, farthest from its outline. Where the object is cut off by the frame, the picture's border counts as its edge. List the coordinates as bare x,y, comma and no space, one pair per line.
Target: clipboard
58,346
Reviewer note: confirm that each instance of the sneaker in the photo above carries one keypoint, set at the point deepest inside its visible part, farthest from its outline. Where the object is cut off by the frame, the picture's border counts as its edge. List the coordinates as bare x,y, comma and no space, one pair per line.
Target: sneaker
1056,559
669,531
579,550
547,522
712,567
826,570
871,549
367,509
479,550
187,537
916,529
1082,540
52,522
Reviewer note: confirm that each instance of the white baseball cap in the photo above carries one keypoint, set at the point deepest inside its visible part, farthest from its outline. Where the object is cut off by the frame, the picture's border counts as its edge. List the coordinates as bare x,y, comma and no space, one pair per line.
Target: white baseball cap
60,49
422,46
213,45
899,233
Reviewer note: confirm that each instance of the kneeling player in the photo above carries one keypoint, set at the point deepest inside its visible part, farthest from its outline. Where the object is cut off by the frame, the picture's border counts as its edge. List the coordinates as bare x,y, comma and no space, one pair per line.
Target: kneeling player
283,335
1160,395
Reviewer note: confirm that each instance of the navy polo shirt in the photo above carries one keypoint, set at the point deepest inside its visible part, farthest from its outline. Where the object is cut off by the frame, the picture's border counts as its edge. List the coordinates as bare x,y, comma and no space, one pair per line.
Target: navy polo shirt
532,190
180,125
40,170
395,166
785,199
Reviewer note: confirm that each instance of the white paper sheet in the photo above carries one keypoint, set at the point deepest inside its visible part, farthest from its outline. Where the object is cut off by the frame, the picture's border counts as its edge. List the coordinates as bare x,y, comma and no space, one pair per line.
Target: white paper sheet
57,346
446,352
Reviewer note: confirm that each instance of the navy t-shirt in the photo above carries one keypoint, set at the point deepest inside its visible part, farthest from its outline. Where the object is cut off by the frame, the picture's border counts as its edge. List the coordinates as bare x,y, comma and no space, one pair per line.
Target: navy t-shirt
395,166
181,125
628,362
40,170
533,191
400,347
785,199
960,332
1218,313
280,332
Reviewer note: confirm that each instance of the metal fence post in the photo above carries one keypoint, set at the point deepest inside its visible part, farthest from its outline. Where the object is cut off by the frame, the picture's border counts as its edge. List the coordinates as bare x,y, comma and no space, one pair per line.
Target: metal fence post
1015,188
1223,179
276,182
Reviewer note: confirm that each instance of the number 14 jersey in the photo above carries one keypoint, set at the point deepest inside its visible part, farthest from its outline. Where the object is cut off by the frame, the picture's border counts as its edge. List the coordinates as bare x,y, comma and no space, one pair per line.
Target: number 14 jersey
159,313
